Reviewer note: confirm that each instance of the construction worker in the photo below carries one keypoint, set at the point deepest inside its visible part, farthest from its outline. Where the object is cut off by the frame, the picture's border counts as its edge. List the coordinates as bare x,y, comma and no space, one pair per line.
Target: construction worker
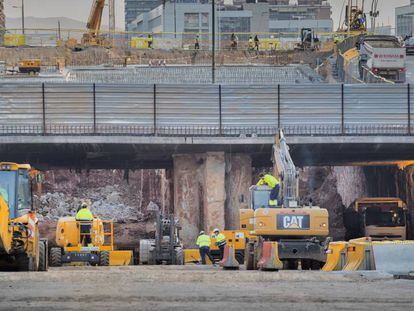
274,185
203,243
150,40
251,44
220,241
256,42
197,43
84,215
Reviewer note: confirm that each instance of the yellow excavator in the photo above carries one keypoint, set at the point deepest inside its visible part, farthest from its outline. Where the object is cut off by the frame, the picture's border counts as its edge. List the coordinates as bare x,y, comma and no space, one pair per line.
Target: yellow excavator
21,247
289,234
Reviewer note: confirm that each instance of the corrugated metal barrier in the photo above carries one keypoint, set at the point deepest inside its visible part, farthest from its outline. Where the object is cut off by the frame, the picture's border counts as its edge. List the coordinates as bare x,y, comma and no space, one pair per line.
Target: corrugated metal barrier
205,110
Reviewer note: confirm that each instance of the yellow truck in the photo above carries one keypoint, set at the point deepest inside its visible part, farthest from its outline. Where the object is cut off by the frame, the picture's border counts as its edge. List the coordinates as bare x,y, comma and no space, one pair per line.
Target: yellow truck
377,218
72,248
21,247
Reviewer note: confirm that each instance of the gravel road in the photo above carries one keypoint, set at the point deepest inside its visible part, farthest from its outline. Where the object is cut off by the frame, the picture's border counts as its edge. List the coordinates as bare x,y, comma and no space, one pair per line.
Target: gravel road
201,288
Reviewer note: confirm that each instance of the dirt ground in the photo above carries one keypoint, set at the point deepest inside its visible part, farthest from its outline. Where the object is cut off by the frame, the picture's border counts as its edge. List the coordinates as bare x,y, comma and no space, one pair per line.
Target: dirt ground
201,288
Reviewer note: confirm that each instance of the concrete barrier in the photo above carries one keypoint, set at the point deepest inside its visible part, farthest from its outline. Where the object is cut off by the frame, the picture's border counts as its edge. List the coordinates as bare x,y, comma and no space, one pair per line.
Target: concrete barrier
270,257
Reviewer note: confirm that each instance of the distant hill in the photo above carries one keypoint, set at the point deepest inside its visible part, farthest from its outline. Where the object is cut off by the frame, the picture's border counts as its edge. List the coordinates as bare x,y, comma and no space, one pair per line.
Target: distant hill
45,23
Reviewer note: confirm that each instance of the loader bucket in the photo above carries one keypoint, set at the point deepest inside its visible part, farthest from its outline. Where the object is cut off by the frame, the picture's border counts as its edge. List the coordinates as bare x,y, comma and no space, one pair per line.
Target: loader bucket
335,259
359,255
395,257
229,260
120,258
270,259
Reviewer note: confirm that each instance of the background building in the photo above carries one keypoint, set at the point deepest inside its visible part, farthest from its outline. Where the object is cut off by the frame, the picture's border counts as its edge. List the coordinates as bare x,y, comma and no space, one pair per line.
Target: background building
404,20
233,16
133,8
288,18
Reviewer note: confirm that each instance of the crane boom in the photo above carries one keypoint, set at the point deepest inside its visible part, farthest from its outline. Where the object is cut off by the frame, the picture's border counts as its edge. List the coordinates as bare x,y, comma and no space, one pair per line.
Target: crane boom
95,17
285,169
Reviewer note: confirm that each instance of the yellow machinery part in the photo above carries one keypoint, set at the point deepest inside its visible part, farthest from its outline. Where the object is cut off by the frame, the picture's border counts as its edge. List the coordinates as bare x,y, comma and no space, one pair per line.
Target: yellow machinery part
236,238
5,232
335,256
192,255
120,258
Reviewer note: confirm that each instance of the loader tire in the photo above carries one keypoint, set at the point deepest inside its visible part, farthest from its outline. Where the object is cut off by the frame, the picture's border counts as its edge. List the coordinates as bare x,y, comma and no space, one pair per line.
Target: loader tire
179,256
55,258
42,256
104,259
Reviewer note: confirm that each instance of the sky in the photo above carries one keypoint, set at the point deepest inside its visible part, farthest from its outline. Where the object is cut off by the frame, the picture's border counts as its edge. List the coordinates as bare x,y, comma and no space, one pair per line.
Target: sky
79,9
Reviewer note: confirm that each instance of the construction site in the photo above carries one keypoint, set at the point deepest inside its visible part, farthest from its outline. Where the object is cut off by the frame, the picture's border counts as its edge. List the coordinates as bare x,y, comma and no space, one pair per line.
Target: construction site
207,156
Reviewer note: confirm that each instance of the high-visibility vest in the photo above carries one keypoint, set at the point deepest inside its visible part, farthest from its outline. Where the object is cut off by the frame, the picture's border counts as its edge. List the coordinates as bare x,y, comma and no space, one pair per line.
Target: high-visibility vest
84,214
203,241
220,239
269,180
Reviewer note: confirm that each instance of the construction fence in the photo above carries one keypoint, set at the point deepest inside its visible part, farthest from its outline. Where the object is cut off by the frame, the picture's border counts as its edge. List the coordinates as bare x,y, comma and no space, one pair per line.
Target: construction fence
205,110
163,41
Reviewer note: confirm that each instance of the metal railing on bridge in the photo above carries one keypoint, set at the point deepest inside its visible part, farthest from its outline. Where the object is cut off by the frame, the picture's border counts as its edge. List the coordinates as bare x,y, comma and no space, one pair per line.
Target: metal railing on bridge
205,110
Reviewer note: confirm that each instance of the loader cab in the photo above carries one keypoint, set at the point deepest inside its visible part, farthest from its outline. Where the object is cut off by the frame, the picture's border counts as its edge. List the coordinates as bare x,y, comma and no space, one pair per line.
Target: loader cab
15,188
259,197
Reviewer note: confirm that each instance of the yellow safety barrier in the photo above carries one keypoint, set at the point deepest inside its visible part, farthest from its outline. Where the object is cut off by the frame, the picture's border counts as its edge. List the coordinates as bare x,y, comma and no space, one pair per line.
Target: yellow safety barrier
140,43
11,40
359,255
335,259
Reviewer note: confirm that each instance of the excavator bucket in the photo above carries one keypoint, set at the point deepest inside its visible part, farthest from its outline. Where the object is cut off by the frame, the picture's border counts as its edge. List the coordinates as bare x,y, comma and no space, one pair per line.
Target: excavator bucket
270,259
229,260
335,259
395,257
359,255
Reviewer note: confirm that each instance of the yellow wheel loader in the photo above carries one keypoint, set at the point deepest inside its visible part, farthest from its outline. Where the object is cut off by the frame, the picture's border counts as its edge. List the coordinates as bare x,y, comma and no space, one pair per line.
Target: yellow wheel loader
287,234
95,247
20,245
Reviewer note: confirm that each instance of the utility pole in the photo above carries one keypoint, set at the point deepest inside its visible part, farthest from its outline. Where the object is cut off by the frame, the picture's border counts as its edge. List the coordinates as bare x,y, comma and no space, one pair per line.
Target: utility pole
112,20
213,48
23,16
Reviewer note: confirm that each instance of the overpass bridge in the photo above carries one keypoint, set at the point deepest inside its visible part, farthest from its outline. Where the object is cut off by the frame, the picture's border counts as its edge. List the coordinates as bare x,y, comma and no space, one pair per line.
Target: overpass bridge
208,137
139,126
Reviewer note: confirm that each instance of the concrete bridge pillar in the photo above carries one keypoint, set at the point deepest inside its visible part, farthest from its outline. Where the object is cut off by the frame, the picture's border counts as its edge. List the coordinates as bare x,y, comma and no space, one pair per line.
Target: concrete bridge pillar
238,182
207,191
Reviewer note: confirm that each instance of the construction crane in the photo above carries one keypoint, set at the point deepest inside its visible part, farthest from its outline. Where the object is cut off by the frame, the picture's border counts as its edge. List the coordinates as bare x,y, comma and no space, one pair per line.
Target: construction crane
93,37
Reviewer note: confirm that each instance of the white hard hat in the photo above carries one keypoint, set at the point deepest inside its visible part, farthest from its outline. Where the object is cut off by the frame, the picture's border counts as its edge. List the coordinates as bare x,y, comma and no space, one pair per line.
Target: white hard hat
201,232
216,230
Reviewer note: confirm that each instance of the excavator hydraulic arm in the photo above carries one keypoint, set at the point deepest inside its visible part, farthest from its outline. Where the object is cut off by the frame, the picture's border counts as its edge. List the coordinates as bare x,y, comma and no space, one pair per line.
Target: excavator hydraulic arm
285,170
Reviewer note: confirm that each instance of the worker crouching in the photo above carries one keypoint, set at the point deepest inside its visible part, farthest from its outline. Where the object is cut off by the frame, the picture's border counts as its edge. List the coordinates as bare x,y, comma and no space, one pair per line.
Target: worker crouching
274,185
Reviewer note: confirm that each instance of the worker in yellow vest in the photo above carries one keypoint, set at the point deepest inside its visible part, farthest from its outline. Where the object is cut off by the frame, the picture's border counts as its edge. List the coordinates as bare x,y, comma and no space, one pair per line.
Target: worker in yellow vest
85,217
203,243
274,185
220,241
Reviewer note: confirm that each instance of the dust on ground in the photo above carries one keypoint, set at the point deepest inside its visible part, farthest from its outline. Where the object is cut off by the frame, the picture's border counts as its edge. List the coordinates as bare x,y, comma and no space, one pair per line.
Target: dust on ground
201,288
